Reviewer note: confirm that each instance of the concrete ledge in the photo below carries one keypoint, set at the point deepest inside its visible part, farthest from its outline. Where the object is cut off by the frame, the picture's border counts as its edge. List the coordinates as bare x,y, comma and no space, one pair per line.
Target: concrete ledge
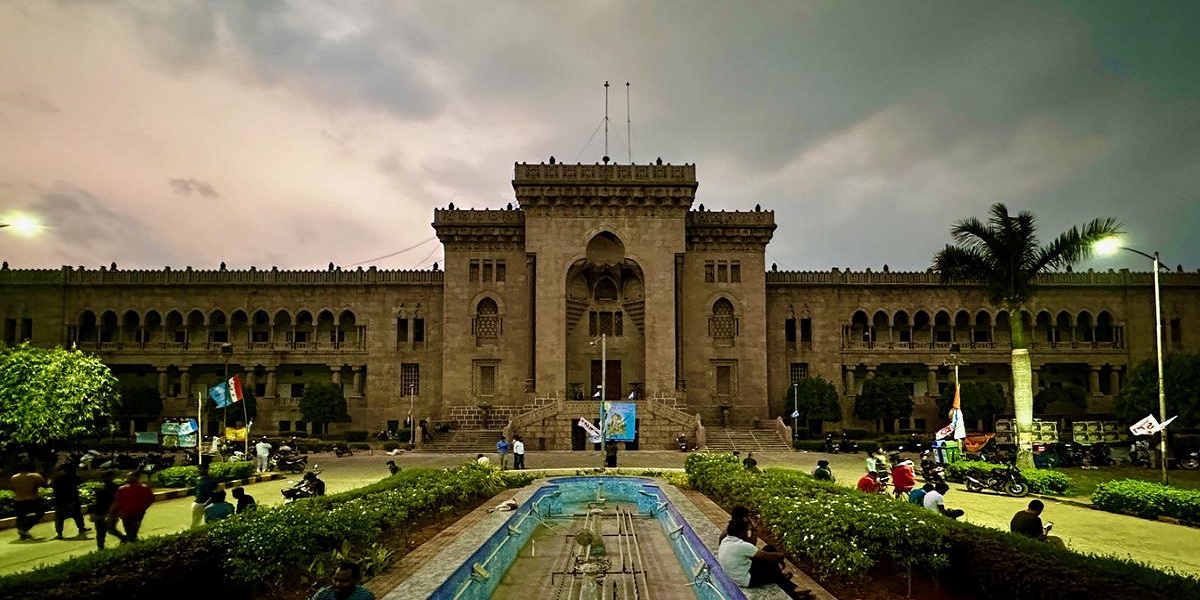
168,494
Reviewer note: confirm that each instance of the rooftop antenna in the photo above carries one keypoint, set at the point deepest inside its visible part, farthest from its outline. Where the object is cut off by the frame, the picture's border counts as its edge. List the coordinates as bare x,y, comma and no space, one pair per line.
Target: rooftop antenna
628,125
605,159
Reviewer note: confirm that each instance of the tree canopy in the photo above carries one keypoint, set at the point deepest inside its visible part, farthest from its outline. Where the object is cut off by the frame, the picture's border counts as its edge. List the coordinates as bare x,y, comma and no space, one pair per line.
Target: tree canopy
815,398
1181,382
324,403
980,400
883,398
52,395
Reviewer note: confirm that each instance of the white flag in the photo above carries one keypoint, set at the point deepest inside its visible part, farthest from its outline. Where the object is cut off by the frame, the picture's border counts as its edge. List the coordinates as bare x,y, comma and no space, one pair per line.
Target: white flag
1147,426
597,394
591,429
795,414
1163,425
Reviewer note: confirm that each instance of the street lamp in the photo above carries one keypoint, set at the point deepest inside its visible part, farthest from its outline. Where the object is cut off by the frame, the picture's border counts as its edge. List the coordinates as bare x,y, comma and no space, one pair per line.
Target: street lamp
603,386
1108,246
412,421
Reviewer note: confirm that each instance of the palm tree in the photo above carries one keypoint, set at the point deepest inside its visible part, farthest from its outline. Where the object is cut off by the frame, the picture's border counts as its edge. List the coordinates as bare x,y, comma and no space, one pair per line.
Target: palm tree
1004,256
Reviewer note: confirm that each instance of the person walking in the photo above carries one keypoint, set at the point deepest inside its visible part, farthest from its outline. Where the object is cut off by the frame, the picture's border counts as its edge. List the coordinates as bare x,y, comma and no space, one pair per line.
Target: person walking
66,502
27,504
610,455
100,508
518,452
130,504
262,451
502,448
203,492
245,502
218,508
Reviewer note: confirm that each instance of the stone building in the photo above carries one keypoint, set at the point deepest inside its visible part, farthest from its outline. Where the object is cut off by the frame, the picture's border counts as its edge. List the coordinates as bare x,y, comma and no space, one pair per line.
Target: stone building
600,278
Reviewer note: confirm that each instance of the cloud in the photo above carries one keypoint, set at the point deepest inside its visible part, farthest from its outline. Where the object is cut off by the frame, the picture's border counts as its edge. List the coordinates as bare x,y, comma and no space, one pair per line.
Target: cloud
186,186
82,229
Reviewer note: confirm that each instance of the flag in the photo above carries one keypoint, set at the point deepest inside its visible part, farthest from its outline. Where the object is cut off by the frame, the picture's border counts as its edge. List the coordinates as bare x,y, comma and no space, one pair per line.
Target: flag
795,414
633,394
593,432
1146,426
957,429
597,394
235,389
224,394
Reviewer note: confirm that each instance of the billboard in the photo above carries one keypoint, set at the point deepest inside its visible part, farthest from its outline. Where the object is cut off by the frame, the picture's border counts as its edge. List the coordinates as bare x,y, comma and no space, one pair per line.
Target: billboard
620,421
178,432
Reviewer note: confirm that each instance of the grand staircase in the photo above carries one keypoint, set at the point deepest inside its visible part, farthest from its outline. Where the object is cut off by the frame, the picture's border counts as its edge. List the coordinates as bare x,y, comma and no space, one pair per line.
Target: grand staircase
745,439
463,441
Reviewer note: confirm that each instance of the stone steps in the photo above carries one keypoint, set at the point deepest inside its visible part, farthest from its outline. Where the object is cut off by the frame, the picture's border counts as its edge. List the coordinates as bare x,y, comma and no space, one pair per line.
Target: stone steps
745,439
464,440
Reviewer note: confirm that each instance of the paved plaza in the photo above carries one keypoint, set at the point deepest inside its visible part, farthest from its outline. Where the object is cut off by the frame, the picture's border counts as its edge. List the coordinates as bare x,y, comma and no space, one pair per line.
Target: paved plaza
1086,530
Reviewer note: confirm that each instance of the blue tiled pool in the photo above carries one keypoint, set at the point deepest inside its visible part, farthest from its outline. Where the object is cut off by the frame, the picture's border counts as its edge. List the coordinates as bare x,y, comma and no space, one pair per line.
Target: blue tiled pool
632,516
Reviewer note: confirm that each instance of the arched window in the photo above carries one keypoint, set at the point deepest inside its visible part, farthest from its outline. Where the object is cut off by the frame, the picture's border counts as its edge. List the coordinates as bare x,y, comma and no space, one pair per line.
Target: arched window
606,290
722,325
487,322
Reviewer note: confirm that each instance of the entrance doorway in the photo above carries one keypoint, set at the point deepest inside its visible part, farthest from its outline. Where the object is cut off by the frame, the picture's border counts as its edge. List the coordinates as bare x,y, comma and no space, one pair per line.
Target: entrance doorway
612,388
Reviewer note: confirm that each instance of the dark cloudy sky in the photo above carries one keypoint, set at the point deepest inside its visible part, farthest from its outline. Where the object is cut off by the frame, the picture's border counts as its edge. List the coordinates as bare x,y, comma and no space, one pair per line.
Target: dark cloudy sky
298,133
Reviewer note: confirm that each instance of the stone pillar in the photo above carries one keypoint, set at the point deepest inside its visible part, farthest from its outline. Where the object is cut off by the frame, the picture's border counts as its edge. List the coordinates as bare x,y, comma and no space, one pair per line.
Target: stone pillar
1033,378
850,381
335,374
270,382
871,371
357,380
250,379
931,381
162,381
1094,380
185,382
1114,381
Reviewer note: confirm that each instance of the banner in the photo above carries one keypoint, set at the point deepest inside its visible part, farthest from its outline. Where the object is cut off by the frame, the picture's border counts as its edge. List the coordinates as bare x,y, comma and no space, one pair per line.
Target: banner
593,432
1150,425
178,432
235,434
620,421
145,437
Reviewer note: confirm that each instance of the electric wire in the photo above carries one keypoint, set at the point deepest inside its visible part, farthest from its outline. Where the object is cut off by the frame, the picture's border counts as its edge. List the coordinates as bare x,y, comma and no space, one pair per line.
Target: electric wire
398,252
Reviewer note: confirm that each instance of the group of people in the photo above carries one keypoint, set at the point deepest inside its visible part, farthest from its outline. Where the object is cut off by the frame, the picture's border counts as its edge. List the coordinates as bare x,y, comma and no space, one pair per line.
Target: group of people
126,505
209,502
517,448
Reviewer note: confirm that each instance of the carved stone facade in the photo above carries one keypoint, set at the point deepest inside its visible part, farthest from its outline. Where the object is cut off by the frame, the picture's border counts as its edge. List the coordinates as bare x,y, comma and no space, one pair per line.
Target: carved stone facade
594,260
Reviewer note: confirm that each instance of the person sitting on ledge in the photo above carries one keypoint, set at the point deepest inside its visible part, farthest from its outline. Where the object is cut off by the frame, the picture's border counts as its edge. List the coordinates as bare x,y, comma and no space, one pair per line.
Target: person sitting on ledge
750,567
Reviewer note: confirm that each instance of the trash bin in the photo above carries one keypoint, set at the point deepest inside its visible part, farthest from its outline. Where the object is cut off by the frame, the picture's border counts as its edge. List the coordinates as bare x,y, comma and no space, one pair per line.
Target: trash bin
953,452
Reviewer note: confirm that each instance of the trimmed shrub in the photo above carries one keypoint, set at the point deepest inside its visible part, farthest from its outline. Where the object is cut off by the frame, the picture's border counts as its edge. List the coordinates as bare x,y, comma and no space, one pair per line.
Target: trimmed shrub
1147,499
355,436
182,477
845,534
1040,481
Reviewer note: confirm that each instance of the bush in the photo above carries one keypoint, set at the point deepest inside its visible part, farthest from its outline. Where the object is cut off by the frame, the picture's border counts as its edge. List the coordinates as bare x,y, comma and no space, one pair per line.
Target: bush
355,436
184,477
363,447
846,534
228,556
1148,500
1040,481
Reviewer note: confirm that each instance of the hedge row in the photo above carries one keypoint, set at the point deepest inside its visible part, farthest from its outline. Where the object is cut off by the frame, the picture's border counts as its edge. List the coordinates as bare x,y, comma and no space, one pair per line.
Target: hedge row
845,534
240,556
182,477
1148,499
1040,481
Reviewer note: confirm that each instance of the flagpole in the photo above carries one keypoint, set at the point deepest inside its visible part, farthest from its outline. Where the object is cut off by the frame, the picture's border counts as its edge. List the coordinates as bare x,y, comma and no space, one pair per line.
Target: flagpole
246,422
199,428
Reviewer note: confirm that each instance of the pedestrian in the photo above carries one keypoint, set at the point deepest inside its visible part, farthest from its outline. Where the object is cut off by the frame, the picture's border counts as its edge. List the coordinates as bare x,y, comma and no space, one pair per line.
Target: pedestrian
218,508
518,452
345,585
1028,523
203,492
130,504
262,451
750,567
903,478
27,504
100,508
917,496
481,459
66,502
823,472
502,448
610,455
750,462
869,483
935,501
245,502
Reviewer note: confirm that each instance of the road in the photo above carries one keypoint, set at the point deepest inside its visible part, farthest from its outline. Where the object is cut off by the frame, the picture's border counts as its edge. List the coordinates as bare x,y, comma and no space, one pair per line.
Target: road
1085,530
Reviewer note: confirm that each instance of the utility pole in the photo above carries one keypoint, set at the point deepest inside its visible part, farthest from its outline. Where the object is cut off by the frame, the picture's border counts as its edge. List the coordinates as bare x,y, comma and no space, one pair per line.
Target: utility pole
795,409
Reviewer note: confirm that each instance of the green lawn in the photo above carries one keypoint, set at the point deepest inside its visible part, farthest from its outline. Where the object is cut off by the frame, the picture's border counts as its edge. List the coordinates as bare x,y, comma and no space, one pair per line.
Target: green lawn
1084,482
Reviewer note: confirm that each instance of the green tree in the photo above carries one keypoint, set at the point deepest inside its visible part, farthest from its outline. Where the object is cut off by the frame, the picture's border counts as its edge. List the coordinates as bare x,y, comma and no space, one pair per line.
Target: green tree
52,395
1005,256
1181,383
813,398
980,400
883,398
323,403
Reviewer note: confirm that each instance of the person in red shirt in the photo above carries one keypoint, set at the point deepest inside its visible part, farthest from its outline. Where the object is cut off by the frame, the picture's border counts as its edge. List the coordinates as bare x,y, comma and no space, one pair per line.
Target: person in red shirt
903,478
869,483
130,505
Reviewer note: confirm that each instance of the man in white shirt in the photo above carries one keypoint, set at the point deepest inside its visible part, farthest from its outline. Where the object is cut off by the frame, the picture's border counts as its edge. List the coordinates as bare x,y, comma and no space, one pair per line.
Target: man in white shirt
518,452
750,567
935,501
262,451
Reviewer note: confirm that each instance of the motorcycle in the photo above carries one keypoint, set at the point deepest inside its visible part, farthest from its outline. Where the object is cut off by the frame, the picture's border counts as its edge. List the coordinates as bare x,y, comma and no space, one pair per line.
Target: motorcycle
287,462
931,472
1007,480
847,445
1191,461
154,462
90,460
120,462
830,445
308,486
1139,453
682,442
342,450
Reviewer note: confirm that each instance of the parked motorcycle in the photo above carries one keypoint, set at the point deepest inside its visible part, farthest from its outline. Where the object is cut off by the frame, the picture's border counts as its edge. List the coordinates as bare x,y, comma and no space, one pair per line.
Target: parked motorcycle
1190,461
155,462
830,445
931,472
288,462
120,462
1139,453
682,442
847,445
341,450
308,486
1008,480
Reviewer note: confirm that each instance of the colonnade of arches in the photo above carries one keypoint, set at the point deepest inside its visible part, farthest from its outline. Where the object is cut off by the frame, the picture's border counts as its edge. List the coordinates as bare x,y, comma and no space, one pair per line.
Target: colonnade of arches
258,328
981,329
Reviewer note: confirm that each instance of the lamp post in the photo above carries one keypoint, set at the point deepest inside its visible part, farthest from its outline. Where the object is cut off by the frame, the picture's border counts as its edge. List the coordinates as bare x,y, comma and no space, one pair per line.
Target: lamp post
412,421
227,353
603,387
795,409
1108,246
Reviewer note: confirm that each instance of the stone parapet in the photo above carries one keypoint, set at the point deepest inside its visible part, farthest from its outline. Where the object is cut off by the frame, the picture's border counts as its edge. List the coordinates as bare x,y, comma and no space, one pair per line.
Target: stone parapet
524,173
835,276
89,277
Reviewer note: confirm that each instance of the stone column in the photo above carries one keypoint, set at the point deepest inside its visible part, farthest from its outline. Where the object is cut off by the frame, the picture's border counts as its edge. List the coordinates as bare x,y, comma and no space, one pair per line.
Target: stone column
1094,380
871,371
931,381
357,370
270,382
250,379
1114,381
850,380
162,381
185,382
1034,380
335,374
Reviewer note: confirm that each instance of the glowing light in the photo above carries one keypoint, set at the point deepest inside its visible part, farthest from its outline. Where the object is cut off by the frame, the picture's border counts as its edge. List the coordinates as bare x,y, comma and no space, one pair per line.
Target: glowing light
23,225
1108,245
